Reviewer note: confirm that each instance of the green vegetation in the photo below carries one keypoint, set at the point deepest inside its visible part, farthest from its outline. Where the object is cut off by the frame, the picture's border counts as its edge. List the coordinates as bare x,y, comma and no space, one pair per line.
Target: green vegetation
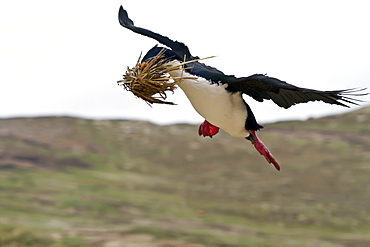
18,237
68,182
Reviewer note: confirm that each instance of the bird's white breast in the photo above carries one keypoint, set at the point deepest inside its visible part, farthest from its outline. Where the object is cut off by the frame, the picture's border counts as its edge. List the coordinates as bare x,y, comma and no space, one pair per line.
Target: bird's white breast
213,102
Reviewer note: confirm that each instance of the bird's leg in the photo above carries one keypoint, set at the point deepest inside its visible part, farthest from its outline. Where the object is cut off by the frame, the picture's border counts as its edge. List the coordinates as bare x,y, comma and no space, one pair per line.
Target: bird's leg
207,129
261,148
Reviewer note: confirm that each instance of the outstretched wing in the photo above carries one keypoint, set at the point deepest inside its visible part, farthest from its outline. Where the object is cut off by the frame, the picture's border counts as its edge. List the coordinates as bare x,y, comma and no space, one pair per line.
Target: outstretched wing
181,49
261,87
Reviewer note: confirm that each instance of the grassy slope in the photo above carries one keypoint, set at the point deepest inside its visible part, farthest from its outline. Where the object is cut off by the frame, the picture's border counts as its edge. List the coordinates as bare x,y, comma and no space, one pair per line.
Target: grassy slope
69,181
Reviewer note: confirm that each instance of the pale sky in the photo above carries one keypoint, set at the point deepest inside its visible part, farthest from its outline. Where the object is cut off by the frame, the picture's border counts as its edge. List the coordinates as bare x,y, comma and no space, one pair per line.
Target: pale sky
65,57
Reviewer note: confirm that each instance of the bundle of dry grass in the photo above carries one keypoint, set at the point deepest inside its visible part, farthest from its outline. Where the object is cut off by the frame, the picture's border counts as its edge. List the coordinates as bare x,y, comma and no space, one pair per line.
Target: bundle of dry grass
151,79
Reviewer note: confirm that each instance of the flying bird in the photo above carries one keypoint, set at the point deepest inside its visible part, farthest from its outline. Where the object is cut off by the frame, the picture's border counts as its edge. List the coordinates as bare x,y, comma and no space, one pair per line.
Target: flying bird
218,97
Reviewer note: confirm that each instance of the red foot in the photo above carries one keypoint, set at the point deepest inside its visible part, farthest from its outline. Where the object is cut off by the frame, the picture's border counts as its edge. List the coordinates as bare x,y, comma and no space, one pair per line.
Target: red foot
262,149
207,129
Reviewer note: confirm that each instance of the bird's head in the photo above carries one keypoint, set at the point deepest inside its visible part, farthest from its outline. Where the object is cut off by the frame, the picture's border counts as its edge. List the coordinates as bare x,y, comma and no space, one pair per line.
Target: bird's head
151,77
166,54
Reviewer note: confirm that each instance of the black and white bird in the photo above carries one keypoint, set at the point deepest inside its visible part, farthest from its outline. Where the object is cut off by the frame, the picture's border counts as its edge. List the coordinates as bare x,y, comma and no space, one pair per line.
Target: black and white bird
218,97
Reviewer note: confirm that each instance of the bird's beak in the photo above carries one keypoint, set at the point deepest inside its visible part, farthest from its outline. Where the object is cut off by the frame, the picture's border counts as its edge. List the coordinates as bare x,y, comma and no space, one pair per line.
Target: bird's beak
142,65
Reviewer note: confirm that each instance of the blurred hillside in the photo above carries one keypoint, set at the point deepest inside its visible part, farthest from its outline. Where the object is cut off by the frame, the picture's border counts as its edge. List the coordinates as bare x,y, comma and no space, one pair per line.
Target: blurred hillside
75,182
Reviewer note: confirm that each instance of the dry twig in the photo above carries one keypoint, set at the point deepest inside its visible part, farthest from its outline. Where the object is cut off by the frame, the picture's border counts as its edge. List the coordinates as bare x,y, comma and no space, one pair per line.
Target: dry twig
151,79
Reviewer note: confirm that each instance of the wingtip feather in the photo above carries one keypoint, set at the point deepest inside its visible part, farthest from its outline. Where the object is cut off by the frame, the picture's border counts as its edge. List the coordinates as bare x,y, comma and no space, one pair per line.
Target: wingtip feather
123,18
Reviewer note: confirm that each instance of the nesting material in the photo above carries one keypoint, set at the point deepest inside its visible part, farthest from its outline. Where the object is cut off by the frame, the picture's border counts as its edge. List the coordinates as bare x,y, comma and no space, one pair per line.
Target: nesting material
151,79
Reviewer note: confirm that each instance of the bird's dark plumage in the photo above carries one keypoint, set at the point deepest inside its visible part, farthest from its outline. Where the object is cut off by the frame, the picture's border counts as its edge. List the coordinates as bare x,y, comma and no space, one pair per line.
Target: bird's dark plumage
218,97
258,86
261,87
178,47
